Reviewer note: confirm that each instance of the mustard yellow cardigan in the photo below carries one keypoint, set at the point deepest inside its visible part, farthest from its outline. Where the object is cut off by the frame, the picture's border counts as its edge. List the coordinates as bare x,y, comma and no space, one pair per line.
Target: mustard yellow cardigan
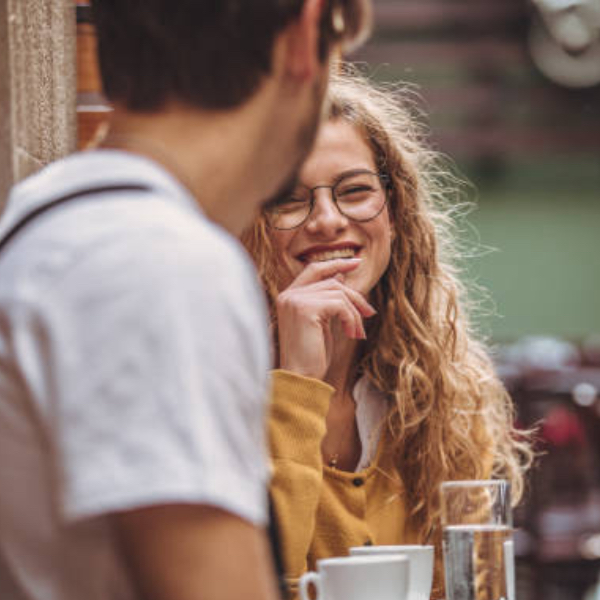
322,511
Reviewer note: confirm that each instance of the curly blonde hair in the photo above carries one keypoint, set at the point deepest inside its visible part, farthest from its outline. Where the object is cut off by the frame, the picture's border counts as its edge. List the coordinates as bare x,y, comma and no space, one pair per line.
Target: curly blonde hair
451,418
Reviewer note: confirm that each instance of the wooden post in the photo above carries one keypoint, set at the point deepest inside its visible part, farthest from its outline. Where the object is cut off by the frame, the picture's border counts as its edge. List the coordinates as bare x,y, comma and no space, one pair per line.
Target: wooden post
37,86
6,175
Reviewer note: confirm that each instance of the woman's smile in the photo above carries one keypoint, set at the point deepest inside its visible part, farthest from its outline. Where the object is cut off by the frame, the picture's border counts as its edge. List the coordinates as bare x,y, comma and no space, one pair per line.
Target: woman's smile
325,253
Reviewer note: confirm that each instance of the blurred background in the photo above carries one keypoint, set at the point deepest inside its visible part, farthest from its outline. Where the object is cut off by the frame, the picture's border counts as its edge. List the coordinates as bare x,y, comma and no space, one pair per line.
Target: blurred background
511,91
530,145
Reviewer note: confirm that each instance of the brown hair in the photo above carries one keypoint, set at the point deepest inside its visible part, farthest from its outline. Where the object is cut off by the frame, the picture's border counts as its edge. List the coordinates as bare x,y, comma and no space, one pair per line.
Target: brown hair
209,54
451,417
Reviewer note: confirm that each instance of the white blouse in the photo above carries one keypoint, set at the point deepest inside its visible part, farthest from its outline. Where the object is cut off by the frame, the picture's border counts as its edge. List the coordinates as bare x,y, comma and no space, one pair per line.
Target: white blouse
372,407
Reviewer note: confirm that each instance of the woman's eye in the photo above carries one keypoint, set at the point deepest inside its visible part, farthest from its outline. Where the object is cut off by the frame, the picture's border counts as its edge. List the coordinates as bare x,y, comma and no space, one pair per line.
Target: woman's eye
357,189
290,204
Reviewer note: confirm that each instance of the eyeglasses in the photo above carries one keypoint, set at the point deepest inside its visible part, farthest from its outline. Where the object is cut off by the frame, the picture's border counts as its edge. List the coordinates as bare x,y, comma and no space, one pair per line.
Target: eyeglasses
358,195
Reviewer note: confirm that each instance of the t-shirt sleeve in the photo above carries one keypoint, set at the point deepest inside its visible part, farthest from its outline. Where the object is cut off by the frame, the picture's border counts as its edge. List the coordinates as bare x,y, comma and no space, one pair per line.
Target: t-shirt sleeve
152,362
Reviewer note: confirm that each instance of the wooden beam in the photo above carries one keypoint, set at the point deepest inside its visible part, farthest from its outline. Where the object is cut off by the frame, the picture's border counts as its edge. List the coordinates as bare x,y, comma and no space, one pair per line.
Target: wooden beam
88,73
456,15
433,53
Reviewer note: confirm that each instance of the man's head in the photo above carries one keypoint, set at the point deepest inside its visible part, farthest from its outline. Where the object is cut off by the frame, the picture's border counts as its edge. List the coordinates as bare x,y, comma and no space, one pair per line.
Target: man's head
246,78
210,54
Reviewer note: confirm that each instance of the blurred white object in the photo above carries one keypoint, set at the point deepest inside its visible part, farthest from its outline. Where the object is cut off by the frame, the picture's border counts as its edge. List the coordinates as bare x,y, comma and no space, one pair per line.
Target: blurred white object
573,24
541,353
584,394
594,592
590,547
565,41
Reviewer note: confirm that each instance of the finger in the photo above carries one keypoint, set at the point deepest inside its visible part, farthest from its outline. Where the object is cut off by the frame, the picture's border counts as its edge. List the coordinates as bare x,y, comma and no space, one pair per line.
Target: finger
363,306
354,327
337,304
361,303
318,271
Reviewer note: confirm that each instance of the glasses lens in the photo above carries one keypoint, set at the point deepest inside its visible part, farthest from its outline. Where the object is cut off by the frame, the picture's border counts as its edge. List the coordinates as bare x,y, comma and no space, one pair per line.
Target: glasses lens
360,196
290,211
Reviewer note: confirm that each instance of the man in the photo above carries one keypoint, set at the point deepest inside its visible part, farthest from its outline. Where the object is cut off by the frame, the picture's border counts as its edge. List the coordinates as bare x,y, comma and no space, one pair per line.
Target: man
133,345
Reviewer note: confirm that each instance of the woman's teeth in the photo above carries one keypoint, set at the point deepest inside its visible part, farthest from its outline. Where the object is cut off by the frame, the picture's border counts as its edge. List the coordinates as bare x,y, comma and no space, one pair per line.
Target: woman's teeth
331,255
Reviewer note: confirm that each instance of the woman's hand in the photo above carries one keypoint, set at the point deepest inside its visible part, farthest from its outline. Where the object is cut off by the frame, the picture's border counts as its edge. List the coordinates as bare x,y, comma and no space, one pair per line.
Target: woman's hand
305,310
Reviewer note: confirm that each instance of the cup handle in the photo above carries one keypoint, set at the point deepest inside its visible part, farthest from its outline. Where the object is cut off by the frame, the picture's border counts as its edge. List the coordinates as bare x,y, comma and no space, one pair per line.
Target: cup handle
305,581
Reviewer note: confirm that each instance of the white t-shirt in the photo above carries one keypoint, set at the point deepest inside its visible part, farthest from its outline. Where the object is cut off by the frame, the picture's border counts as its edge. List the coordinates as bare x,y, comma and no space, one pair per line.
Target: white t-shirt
133,372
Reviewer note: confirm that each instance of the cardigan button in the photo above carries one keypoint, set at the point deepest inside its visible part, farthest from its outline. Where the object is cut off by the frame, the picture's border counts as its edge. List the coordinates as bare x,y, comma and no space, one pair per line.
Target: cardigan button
358,481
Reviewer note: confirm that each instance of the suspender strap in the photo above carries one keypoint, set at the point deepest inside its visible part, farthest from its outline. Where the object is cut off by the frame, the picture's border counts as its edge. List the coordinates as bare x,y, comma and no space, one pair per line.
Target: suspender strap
16,228
275,540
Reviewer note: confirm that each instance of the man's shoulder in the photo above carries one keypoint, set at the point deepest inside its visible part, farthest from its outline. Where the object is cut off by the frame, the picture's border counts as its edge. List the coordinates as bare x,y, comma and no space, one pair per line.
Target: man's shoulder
191,244
158,227
158,245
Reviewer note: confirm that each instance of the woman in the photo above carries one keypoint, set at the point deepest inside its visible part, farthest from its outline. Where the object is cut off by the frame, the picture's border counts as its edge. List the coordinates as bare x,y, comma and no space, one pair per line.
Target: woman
382,392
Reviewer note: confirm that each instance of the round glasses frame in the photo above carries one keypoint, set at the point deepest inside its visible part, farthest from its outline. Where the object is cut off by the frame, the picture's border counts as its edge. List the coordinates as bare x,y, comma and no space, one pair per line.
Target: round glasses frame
384,179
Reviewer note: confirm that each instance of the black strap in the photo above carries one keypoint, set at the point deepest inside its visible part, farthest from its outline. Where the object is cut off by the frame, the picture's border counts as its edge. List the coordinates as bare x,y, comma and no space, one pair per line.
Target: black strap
275,540
16,228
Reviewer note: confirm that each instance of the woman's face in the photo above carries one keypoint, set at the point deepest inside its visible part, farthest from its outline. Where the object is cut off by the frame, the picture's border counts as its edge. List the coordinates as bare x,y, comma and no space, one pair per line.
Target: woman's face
327,234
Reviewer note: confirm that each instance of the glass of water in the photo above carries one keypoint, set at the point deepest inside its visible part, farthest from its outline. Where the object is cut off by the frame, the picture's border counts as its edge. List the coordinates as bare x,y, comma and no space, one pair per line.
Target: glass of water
478,544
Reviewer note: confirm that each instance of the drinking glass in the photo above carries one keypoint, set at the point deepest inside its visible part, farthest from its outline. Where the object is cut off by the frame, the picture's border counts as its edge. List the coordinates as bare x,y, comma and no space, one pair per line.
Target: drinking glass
478,545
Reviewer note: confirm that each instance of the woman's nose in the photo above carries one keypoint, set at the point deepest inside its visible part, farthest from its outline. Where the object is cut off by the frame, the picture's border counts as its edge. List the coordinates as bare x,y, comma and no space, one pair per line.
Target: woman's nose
325,216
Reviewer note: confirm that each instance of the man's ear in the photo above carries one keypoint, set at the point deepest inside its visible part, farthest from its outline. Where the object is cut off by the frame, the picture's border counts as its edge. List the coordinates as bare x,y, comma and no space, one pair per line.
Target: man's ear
302,37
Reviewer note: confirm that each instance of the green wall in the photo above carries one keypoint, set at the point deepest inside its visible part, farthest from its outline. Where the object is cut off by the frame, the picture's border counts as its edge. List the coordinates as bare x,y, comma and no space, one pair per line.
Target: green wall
543,221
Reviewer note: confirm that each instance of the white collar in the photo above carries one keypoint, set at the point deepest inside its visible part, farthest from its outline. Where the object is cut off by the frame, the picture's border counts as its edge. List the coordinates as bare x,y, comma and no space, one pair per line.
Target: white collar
371,409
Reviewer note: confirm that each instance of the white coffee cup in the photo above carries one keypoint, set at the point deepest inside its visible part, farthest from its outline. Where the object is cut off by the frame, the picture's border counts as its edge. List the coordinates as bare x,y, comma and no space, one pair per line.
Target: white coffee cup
420,569
358,578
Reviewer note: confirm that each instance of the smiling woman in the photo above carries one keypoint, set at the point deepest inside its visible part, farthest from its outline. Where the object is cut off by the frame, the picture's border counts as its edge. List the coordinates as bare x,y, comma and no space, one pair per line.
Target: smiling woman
336,211
381,392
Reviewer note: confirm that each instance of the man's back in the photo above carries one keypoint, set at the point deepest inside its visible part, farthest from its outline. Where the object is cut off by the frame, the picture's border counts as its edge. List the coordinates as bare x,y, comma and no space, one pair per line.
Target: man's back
121,315
133,346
